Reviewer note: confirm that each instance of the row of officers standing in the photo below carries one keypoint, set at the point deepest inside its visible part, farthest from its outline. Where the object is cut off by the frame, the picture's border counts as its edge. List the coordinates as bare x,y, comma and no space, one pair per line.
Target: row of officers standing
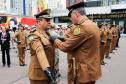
84,44
109,35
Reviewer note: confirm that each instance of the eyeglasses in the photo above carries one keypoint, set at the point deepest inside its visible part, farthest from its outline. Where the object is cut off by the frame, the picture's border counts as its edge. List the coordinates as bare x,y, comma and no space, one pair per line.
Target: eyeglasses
47,19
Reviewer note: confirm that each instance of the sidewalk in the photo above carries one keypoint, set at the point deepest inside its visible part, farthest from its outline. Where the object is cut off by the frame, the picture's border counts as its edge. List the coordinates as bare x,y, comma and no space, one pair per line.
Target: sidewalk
15,74
114,72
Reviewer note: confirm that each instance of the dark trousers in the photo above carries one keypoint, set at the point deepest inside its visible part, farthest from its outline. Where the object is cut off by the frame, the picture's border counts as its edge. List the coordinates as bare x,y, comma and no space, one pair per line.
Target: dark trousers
5,49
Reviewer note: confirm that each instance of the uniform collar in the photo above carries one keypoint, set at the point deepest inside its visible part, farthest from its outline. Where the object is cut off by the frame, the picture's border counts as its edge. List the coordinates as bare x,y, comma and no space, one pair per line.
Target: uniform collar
82,20
41,31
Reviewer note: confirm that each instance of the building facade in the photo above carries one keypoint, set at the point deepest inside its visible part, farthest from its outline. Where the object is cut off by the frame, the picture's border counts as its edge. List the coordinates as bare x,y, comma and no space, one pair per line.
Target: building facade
4,6
114,12
15,7
71,2
52,4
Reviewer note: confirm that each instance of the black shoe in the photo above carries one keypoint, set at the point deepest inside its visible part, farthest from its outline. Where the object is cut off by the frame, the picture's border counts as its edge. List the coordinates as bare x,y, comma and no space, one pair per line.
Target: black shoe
116,49
107,57
8,65
103,63
23,64
13,47
28,48
111,52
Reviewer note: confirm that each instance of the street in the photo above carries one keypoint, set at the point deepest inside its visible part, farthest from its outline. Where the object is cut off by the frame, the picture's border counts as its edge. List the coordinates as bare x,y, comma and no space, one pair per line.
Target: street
114,71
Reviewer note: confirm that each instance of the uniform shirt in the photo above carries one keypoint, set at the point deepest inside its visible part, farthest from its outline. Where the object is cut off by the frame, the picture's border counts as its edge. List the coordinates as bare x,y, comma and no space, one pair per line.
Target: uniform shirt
20,36
42,54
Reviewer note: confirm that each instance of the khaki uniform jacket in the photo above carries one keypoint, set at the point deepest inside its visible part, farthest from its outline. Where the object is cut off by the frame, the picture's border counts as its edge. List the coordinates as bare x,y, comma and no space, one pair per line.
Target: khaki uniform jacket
85,47
102,37
109,34
20,36
42,55
105,36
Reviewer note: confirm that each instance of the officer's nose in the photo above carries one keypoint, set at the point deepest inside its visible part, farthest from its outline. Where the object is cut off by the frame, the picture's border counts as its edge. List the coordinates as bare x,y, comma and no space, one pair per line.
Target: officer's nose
49,22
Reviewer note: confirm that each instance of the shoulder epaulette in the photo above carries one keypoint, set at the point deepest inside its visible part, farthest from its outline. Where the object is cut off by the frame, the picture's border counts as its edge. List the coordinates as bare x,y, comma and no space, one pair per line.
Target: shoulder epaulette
31,37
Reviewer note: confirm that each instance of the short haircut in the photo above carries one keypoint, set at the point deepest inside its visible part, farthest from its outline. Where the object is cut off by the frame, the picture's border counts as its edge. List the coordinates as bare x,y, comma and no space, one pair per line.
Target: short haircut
80,10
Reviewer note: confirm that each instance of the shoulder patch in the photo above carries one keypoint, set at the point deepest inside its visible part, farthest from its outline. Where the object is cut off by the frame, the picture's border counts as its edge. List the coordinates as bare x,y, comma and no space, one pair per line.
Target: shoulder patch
31,37
77,31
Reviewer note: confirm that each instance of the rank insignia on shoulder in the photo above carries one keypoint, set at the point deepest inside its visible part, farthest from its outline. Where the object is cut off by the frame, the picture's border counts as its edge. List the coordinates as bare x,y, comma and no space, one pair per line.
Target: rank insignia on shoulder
31,38
77,31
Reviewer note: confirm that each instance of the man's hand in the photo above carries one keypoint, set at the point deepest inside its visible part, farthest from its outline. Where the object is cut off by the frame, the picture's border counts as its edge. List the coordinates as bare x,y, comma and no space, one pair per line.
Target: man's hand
50,75
54,36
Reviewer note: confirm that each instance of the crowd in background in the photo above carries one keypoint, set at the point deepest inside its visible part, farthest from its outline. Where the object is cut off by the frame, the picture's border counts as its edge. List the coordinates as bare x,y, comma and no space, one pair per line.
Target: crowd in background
109,34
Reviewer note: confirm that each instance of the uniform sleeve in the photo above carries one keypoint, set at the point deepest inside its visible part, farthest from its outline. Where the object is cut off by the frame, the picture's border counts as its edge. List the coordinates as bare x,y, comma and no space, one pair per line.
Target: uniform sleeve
37,46
73,41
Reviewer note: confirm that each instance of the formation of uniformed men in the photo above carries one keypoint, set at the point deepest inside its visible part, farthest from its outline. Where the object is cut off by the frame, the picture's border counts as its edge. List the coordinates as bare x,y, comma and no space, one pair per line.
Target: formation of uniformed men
109,40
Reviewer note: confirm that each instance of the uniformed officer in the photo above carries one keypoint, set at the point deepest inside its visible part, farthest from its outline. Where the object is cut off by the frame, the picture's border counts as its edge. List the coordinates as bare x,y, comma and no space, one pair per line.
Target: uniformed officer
20,39
42,51
113,38
82,46
116,37
109,41
102,43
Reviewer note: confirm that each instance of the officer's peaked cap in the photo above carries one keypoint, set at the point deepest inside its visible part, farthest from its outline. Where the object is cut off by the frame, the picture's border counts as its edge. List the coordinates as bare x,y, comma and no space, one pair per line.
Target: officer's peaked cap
75,6
44,14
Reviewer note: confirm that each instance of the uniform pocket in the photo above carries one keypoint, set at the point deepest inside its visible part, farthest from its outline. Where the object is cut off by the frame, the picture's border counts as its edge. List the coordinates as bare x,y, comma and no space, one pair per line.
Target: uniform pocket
82,73
45,41
37,74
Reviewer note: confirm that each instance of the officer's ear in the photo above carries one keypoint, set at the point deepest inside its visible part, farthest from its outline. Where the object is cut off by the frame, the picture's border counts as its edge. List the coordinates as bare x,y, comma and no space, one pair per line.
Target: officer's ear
76,13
